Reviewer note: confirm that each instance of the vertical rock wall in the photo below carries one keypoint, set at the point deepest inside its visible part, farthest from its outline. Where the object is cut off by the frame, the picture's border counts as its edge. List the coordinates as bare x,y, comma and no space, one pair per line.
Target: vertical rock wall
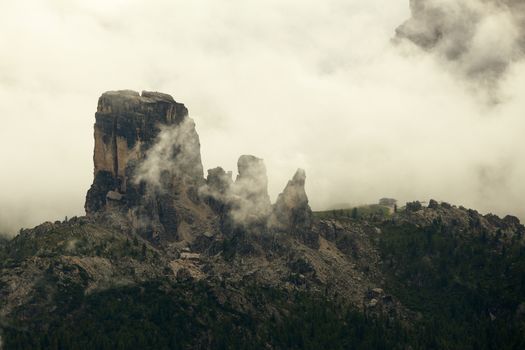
147,163
148,178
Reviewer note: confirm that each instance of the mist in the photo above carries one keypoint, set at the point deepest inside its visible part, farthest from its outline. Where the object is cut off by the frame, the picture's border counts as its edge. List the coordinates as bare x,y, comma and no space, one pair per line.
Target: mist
301,84
480,39
175,151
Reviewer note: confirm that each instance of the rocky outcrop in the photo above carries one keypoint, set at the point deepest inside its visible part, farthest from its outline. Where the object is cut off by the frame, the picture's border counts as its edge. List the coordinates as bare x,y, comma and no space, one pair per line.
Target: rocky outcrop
231,262
147,165
127,125
291,211
292,214
217,194
243,205
461,222
218,189
148,178
433,204
414,206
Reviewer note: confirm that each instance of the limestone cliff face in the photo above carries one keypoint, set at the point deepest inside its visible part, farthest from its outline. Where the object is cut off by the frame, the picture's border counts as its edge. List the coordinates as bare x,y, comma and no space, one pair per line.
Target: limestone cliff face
147,163
148,177
292,213
291,210
127,125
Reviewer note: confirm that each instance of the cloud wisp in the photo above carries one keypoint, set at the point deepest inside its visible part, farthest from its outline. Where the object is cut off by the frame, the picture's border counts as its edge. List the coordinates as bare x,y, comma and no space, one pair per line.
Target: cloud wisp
481,39
176,152
309,84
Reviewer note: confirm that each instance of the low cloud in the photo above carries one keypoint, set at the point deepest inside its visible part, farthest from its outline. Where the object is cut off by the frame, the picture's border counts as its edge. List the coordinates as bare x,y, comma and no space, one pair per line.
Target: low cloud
176,152
309,84
246,199
480,39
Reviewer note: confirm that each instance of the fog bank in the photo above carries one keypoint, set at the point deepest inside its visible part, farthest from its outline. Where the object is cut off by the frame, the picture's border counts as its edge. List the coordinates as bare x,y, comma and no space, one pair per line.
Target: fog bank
317,85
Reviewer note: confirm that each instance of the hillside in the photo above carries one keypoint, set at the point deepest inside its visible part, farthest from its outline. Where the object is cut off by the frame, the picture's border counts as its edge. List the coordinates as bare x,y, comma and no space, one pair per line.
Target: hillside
166,258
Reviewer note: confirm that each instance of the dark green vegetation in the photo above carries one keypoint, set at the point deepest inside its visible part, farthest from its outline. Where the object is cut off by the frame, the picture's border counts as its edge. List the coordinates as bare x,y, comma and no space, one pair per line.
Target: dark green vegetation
459,277
79,238
3,240
469,290
159,315
373,211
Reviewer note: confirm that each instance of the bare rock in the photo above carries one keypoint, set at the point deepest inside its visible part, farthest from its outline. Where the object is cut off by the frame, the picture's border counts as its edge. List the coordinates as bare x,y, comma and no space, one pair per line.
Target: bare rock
217,191
291,211
147,163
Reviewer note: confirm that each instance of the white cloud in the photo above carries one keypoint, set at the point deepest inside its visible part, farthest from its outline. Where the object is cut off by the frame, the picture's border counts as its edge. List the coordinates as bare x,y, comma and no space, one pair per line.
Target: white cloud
480,39
308,84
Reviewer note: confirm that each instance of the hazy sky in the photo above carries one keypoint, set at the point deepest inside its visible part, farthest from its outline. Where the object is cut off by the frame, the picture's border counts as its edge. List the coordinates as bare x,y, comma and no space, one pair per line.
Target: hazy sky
312,84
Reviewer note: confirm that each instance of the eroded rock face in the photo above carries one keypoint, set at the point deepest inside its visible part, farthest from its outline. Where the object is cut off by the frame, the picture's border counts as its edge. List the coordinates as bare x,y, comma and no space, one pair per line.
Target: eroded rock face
149,178
291,211
219,185
217,193
147,164
126,126
244,205
292,214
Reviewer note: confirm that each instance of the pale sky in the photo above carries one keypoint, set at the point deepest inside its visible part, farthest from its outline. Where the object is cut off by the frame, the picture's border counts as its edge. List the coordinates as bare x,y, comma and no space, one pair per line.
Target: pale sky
313,84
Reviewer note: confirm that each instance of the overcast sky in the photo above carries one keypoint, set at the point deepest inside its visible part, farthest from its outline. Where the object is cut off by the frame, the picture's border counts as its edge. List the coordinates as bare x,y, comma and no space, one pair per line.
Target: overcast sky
312,84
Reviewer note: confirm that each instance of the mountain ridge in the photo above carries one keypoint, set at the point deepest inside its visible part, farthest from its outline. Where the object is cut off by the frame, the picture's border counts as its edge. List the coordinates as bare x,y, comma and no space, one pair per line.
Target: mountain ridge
164,249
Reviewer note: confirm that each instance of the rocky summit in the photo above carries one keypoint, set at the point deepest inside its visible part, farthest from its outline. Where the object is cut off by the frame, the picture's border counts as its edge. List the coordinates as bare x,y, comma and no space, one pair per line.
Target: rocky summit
166,258
148,166
148,175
